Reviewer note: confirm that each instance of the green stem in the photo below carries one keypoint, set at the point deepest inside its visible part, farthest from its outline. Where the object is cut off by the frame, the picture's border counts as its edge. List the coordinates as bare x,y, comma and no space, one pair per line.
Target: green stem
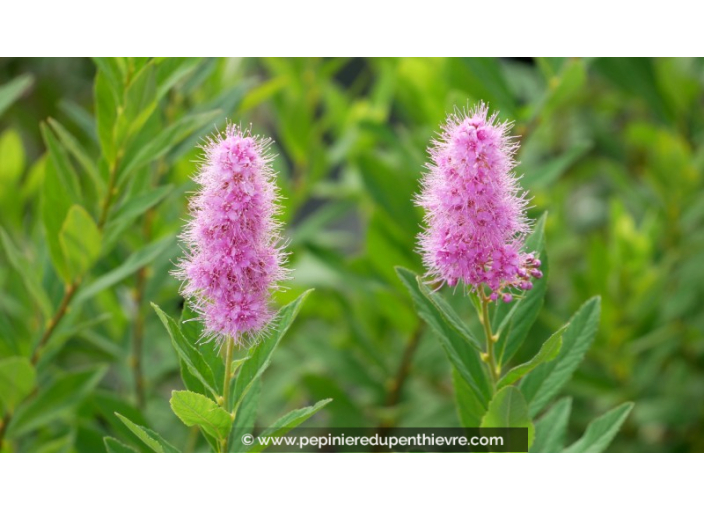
490,337
229,348
109,195
69,292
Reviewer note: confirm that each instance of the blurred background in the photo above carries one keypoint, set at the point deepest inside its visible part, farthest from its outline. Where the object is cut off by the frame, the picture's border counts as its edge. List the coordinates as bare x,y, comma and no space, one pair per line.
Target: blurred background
610,148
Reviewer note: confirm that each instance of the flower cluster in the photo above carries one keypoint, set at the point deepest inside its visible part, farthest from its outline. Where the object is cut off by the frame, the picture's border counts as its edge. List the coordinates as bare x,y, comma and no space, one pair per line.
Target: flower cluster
234,257
475,210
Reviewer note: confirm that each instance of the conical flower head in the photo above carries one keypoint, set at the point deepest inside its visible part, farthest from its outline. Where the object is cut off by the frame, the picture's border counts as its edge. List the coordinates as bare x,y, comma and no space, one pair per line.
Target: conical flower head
234,257
474,208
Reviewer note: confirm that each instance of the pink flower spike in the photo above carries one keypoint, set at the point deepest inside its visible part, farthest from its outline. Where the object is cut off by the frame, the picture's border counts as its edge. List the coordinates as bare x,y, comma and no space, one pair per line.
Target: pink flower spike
234,255
475,211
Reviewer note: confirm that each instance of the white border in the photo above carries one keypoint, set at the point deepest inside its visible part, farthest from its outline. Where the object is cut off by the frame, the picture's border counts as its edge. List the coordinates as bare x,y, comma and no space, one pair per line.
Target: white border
360,28
384,481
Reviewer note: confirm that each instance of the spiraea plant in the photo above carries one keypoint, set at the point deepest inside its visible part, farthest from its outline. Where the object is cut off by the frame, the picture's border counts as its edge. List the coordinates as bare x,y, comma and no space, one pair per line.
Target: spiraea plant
234,259
478,240
89,206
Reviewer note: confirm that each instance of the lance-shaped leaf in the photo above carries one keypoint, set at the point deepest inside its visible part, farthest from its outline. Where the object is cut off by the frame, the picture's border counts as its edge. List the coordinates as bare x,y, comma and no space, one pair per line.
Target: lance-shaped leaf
114,70
55,206
545,174
135,261
549,350
543,383
171,70
17,378
551,428
189,354
139,104
106,115
65,170
259,356
601,431
192,329
148,437
508,409
28,272
513,321
80,241
165,141
112,445
132,209
288,422
449,315
73,146
245,419
463,356
54,400
470,410
12,91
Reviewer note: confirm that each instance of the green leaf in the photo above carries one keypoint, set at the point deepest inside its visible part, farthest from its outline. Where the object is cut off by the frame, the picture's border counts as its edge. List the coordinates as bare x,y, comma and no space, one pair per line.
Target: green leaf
290,421
129,211
55,400
516,319
148,437
80,241
171,70
12,160
131,264
138,205
191,325
194,409
80,117
570,82
189,354
55,207
106,114
66,173
245,419
601,431
549,172
73,146
490,83
114,71
12,91
190,381
469,409
12,166
17,379
637,77
139,104
112,445
259,356
28,272
507,409
461,354
164,142
549,350
450,316
228,101
551,428
390,186
543,383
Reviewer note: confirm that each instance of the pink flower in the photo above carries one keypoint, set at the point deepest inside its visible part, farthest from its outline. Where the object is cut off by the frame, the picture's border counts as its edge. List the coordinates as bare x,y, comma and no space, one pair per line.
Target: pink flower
474,208
234,257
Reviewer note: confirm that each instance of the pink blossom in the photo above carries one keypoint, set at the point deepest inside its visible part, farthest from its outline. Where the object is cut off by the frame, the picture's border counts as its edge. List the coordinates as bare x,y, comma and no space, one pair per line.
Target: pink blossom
474,208
234,256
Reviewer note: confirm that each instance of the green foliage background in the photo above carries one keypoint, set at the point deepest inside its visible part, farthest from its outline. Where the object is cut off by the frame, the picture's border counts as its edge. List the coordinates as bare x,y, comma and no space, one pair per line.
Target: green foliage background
610,148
